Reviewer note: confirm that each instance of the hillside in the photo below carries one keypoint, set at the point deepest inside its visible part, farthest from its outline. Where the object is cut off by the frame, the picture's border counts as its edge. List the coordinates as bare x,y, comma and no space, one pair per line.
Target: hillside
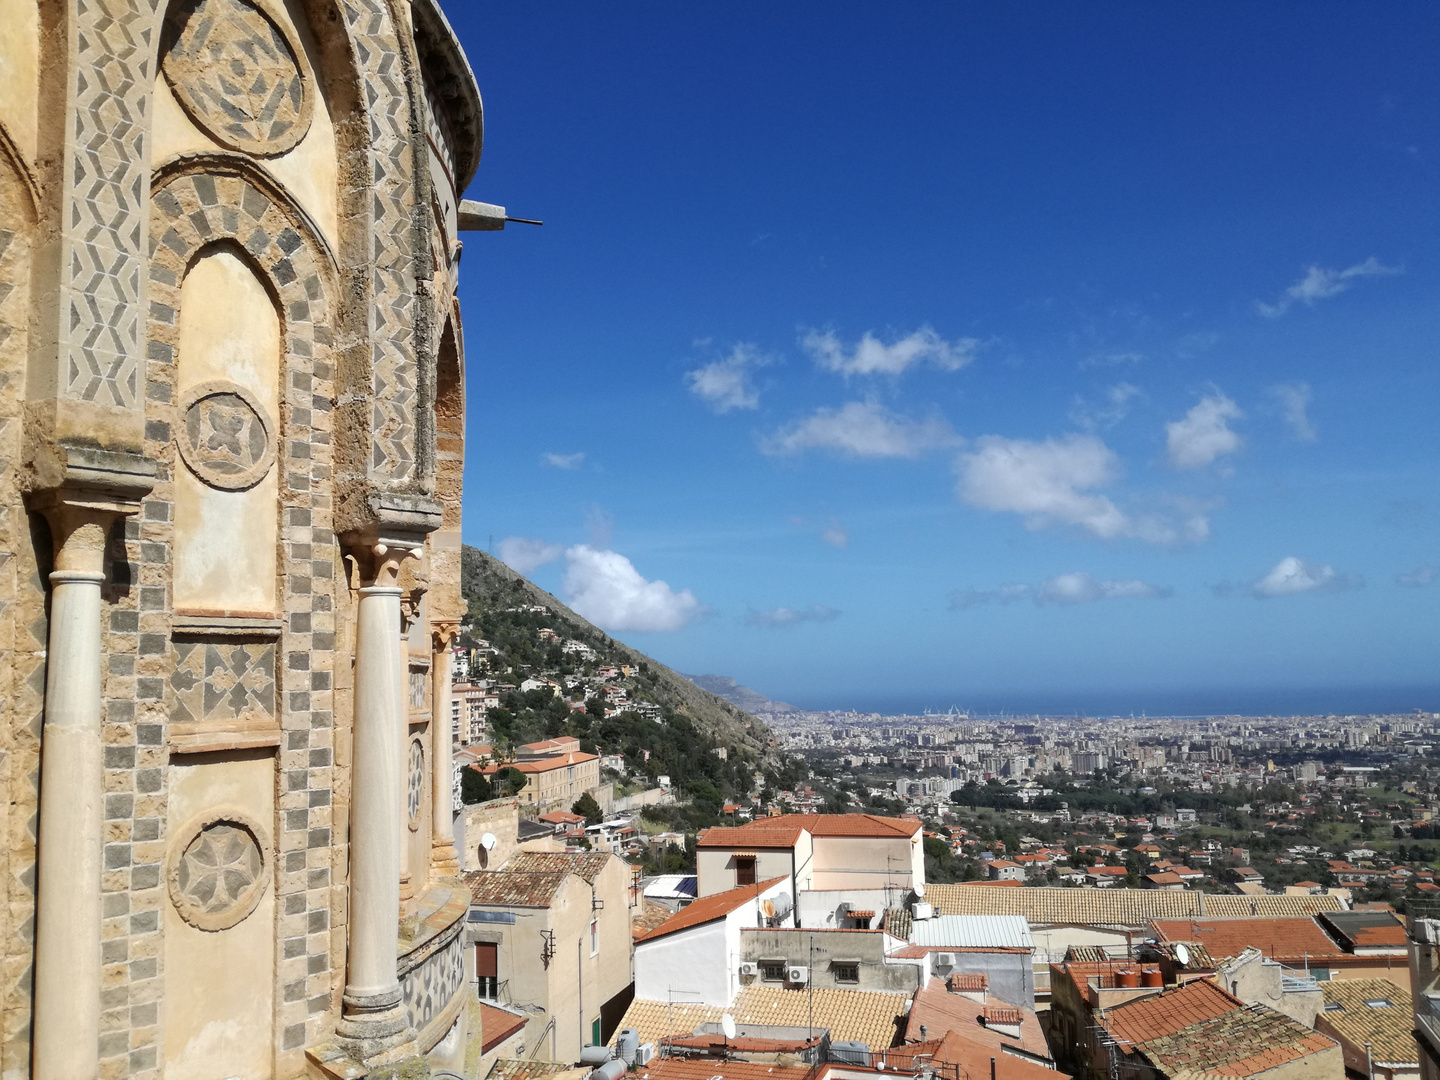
726,687
687,727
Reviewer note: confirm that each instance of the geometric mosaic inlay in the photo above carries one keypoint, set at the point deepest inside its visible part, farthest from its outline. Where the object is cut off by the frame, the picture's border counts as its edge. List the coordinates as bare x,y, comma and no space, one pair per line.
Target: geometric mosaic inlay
222,680
236,74
428,988
415,791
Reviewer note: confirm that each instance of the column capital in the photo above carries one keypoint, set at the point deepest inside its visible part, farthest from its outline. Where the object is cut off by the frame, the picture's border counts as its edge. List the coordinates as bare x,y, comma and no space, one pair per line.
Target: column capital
443,633
378,558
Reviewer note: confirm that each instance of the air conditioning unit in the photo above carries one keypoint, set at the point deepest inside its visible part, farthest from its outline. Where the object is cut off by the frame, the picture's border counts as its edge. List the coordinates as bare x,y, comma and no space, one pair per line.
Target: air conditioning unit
645,1054
944,959
923,911
797,974
748,968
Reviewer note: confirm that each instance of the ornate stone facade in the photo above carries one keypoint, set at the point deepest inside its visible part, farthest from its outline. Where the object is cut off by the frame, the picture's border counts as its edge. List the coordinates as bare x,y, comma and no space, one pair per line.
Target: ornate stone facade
231,435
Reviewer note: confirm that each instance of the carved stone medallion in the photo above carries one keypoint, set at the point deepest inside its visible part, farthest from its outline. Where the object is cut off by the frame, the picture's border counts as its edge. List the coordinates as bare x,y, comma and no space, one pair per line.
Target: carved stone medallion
415,791
219,869
226,437
237,74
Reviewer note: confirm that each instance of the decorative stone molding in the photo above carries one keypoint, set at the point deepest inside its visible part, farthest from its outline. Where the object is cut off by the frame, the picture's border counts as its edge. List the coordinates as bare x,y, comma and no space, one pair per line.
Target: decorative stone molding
226,437
238,74
219,868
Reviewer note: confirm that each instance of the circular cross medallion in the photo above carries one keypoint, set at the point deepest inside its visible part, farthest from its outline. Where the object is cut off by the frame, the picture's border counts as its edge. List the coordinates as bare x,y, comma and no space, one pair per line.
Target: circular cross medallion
226,437
237,74
416,791
219,868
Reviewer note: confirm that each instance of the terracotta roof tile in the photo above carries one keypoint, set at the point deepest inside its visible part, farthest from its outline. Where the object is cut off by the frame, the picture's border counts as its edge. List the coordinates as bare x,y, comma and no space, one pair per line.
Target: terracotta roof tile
940,1011
783,831
867,1016
1286,940
1115,907
1389,1029
503,888
584,864
497,1025
1239,1043
709,908
1167,1012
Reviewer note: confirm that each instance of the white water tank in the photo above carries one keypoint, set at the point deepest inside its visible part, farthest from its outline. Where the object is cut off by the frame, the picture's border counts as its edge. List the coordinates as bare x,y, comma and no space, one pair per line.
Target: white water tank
627,1044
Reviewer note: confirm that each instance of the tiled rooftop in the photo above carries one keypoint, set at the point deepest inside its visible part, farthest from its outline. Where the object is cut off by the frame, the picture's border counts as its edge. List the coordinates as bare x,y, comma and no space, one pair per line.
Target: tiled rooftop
1243,1042
783,831
1165,1013
709,908
498,888
1115,907
585,864
851,1015
939,1011
1388,1029
1368,929
1290,941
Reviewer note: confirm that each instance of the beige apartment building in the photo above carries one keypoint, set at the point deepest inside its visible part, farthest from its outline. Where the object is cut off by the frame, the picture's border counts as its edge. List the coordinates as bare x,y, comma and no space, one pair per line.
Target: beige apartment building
231,443
550,933
554,781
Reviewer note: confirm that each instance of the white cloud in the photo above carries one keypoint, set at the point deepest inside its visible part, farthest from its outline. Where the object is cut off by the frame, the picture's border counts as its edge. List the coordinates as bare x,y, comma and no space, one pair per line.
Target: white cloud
1321,284
1419,578
1292,576
1081,588
1055,481
562,461
1047,482
525,553
1108,413
1204,433
862,429
1294,402
727,384
605,588
1063,589
784,616
834,534
871,356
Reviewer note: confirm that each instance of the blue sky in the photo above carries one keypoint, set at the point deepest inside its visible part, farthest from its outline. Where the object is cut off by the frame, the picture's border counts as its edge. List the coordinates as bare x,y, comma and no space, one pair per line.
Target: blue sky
1000,356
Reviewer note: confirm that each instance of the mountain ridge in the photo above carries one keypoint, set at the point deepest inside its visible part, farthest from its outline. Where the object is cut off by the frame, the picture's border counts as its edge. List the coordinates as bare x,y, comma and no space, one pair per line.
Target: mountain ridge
485,579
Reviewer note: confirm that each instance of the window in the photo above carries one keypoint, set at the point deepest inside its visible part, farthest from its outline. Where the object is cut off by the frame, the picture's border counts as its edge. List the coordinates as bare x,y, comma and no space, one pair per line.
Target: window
744,870
846,972
487,969
594,936
772,970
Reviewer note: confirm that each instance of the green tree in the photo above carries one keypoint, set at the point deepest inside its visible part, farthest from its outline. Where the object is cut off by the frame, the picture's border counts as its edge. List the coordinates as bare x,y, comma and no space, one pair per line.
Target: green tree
474,788
588,808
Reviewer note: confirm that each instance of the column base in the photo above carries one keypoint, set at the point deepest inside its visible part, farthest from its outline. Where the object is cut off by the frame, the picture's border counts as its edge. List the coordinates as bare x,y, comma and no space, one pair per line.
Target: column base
407,888
335,1061
374,1027
444,860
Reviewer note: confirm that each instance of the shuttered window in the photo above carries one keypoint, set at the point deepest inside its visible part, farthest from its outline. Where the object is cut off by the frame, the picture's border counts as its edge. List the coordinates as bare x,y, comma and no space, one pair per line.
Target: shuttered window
487,969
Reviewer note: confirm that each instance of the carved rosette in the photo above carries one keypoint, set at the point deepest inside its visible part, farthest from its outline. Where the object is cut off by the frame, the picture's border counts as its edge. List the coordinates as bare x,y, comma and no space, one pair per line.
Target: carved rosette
238,74
219,868
226,437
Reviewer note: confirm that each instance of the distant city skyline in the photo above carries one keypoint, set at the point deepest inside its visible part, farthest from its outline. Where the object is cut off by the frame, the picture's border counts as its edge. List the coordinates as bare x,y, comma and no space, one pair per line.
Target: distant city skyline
1014,358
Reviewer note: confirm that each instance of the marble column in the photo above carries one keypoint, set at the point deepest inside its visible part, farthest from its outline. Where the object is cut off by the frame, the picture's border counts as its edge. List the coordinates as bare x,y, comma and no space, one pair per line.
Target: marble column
409,611
372,1014
69,834
444,860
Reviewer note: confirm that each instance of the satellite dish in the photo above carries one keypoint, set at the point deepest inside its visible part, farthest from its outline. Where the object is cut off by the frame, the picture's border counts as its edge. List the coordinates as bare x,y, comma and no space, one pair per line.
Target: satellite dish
727,1025
1182,954
488,841
768,908
919,890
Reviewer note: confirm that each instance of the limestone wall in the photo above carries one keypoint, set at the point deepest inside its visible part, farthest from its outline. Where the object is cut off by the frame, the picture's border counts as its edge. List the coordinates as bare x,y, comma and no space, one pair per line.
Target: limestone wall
228,335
